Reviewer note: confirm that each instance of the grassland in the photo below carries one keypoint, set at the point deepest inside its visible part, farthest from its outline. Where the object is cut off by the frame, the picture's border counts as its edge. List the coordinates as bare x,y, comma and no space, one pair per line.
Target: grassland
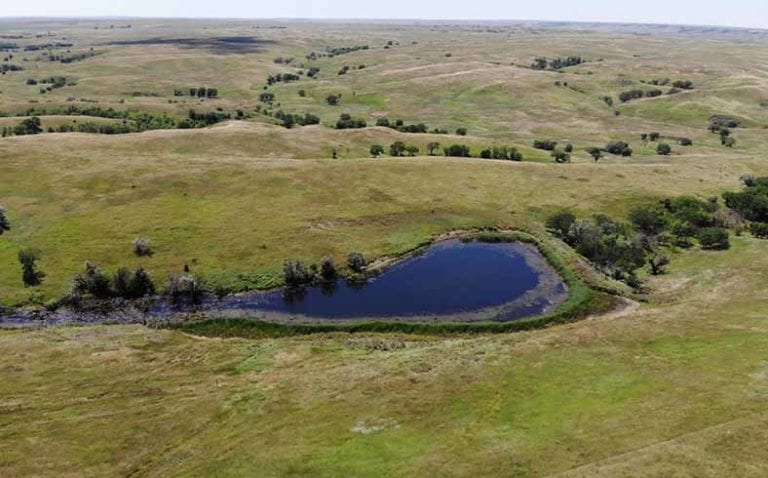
676,387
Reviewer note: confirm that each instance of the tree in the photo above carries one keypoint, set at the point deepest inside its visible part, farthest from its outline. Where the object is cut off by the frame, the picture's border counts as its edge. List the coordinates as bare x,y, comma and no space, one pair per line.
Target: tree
30,275
596,153
356,262
561,156
649,220
618,148
5,224
657,263
328,271
569,148
92,282
664,149
461,131
457,150
31,125
412,150
377,150
560,223
654,136
332,100
714,238
295,274
433,148
397,148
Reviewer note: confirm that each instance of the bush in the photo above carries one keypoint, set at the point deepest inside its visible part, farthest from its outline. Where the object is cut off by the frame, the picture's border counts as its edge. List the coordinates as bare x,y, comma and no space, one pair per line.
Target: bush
560,223
296,274
649,220
348,122
461,131
328,271
398,148
618,148
664,149
302,93
685,141
457,150
561,156
31,125
596,153
356,262
333,100
29,273
142,247
759,230
569,148
545,144
185,287
714,238
433,148
93,282
376,150
5,224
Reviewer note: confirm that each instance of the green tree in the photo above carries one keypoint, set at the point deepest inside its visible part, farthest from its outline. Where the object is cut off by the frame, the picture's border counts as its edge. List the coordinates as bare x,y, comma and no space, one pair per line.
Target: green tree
664,149
29,273
377,150
398,148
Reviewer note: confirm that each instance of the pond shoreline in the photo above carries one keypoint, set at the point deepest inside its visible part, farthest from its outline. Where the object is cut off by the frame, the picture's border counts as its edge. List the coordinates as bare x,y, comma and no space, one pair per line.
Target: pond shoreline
125,312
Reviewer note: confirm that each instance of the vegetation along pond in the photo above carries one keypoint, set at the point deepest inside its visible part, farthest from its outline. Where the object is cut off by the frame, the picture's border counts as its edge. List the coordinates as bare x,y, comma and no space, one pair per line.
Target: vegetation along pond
452,280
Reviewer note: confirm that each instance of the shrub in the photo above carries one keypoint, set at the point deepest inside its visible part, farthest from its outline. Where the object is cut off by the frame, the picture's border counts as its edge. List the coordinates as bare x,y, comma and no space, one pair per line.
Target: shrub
618,148
185,287
31,125
714,238
649,220
296,274
596,153
142,247
461,131
348,122
267,97
457,150
664,149
92,282
384,122
759,230
561,156
433,148
132,285
569,148
630,95
560,223
397,148
376,150
5,224
333,100
545,144
658,263
685,142
302,93
29,273
356,262
328,271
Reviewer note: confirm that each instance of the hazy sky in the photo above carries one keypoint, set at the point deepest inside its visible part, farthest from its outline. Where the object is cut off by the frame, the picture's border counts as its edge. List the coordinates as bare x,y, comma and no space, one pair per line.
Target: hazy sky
751,13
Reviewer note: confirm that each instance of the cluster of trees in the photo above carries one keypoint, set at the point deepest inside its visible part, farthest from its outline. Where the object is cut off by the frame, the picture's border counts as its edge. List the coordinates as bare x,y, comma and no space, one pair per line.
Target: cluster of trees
53,83
726,139
677,84
283,60
132,121
201,92
331,52
297,275
509,153
282,78
751,204
124,284
620,249
48,46
6,67
718,122
290,120
543,63
27,126
400,125
313,72
346,121
71,58
619,148
545,144
630,95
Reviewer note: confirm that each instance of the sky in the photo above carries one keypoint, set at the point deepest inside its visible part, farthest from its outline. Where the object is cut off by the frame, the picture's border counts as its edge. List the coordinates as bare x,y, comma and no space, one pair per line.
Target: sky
744,13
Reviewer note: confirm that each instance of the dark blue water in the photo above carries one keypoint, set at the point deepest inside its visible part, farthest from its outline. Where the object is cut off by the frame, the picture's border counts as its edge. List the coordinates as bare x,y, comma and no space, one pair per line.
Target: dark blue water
449,278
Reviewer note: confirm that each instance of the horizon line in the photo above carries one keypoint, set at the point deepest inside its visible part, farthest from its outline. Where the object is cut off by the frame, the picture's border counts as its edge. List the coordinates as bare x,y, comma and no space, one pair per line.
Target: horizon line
381,20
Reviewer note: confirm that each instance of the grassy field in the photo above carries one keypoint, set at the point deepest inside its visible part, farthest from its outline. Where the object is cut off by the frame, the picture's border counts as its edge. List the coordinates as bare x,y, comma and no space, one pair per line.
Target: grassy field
675,387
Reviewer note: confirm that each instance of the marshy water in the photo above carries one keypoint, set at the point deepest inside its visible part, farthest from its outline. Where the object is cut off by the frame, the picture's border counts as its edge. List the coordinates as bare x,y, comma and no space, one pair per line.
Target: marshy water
449,281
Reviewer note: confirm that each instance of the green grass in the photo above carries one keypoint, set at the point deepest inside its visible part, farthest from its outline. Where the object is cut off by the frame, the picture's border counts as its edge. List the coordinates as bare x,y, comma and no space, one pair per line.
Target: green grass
674,387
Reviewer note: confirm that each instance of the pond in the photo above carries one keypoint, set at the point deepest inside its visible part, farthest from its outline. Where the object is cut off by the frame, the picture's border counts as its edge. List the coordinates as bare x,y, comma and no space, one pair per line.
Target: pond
449,281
